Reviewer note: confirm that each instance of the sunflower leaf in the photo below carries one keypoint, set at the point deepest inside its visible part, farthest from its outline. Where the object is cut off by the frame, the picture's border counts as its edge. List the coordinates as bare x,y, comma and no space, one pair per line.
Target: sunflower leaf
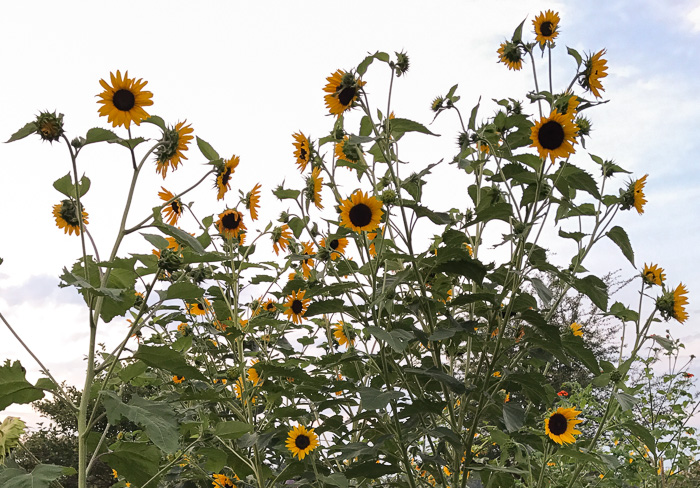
135,461
518,33
574,54
97,134
182,237
472,117
618,235
595,289
40,477
400,126
25,131
164,357
207,150
283,193
155,120
14,388
128,143
513,417
159,242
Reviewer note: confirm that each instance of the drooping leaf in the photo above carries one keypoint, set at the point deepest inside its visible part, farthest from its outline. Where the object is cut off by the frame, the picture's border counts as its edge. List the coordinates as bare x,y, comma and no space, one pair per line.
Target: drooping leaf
40,477
14,388
135,461
164,357
373,399
618,235
97,134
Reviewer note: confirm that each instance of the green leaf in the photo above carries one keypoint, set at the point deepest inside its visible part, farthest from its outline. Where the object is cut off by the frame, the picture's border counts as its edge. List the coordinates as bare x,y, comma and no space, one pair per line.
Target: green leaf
642,432
575,347
400,126
324,306
129,143
543,292
182,237
155,120
164,357
207,150
98,134
595,289
40,477
185,291
370,469
14,388
618,235
373,399
450,381
472,117
513,416
283,193
66,187
297,226
132,371
137,462
159,242
623,313
498,211
574,53
577,236
29,129
398,339
157,418
215,458
336,479
625,400
232,429
518,33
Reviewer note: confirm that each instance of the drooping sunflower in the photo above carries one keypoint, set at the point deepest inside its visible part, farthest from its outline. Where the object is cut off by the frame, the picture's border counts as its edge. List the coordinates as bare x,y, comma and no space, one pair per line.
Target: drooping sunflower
639,199
312,192
554,136
301,441
230,223
223,176
280,238
546,25
347,151
253,375
302,150
66,215
511,55
252,201
361,212
174,143
307,263
199,308
576,329
653,275
336,247
672,304
123,101
173,210
595,69
342,89
343,334
560,426
296,306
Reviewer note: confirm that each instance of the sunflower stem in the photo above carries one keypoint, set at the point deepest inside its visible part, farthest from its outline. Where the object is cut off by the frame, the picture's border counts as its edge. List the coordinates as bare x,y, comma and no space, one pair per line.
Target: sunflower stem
537,87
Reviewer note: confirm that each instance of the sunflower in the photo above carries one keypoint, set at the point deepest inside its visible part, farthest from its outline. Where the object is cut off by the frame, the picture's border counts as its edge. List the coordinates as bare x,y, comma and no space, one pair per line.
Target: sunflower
576,329
653,275
173,210
199,308
301,441
595,69
560,426
546,27
223,176
553,136
347,151
66,214
639,199
361,212
567,104
672,304
172,244
222,481
307,263
280,238
238,388
123,102
371,236
511,55
336,247
252,201
268,306
302,150
342,89
296,306
313,187
253,375
172,145
230,224
343,334
178,379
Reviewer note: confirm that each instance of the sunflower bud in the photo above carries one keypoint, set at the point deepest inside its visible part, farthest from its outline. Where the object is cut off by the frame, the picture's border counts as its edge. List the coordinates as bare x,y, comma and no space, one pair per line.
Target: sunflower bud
284,217
463,140
322,254
49,126
388,196
232,374
615,376
584,125
169,261
437,104
78,142
402,64
199,274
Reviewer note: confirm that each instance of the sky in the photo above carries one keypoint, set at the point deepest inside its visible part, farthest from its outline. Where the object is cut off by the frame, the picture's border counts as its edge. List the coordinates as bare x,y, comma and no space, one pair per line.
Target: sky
247,75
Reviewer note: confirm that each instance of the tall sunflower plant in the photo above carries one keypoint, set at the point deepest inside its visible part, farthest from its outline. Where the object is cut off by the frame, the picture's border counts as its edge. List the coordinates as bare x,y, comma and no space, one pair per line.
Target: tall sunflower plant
363,351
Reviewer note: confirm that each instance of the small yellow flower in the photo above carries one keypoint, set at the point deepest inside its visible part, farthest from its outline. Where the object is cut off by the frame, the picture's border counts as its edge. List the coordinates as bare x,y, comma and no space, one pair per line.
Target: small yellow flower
576,329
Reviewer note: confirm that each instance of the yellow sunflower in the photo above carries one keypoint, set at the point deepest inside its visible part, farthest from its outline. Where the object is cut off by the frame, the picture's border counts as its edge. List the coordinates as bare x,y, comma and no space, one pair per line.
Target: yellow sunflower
66,214
567,104
546,27
199,308
253,375
576,329
280,238
653,275
595,69
343,334
313,187
511,55
222,481
123,101
361,212
296,306
223,176
371,236
342,89
172,244
230,224
680,300
302,150
346,151
173,210
301,441
639,199
554,136
178,379
307,263
172,146
268,306
560,426
252,201
336,247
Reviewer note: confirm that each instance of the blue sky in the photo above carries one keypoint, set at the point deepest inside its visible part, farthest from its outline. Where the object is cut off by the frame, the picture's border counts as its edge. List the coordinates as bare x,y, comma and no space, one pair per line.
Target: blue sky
248,75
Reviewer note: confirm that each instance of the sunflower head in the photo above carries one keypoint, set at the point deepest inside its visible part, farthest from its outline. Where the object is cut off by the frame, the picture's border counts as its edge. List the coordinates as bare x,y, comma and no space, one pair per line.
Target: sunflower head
123,100
280,238
343,89
672,304
171,147
560,426
546,27
344,334
66,215
312,192
296,306
252,201
301,441
49,126
335,247
230,224
576,329
173,208
223,176
653,275
361,212
302,150
595,68
169,260
554,136
634,196
402,64
348,151
511,54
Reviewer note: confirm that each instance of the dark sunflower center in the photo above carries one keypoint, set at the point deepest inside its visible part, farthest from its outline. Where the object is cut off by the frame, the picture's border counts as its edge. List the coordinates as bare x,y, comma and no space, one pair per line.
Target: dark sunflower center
230,221
302,154
346,95
551,135
200,307
558,424
270,307
297,307
225,177
302,441
334,244
360,215
124,100
175,205
547,29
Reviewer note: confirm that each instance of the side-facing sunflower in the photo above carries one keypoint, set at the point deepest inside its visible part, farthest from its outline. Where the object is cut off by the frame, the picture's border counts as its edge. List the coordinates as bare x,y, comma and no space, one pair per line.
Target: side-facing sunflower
546,27
301,441
653,275
123,100
554,136
230,224
222,481
347,151
223,176
302,150
560,426
336,247
252,201
66,215
296,306
253,375
169,152
313,187
173,210
511,55
342,89
307,263
343,334
576,329
566,104
199,308
595,69
361,212
280,238
672,304
634,196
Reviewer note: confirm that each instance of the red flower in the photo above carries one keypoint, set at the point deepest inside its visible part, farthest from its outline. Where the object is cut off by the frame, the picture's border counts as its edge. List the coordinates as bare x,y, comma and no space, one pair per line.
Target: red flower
562,393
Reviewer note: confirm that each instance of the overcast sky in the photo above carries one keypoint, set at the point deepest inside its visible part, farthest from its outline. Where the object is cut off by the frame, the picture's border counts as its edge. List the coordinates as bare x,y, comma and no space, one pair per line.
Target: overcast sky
247,75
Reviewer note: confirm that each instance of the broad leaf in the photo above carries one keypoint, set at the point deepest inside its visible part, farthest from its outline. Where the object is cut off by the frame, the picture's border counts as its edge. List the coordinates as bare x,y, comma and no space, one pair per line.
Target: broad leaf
14,388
